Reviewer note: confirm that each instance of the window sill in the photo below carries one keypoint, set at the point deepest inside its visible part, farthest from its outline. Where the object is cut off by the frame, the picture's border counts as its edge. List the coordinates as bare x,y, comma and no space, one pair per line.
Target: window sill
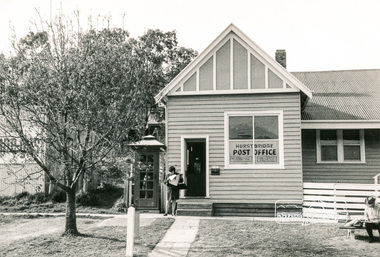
341,162
254,167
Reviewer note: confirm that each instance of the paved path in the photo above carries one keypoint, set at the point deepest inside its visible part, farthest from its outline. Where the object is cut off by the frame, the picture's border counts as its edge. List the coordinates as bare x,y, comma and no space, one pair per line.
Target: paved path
182,233
178,238
122,221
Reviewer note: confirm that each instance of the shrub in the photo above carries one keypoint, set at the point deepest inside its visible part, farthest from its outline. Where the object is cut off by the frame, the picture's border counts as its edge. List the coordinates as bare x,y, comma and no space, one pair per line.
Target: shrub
4,199
111,174
87,199
58,196
38,198
108,188
22,195
122,207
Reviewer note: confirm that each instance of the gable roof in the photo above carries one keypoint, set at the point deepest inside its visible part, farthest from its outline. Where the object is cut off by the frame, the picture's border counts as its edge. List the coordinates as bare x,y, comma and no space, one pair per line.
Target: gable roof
178,86
342,95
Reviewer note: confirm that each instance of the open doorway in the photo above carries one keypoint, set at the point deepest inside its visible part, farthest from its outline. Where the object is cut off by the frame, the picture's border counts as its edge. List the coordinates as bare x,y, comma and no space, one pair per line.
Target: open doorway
195,167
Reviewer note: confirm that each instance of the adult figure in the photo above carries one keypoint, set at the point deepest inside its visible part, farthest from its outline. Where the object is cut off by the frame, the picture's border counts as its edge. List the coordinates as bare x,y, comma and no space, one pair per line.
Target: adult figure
172,190
371,216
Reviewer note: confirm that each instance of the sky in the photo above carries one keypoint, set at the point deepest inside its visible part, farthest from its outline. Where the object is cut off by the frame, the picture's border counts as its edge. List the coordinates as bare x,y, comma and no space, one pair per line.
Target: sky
317,35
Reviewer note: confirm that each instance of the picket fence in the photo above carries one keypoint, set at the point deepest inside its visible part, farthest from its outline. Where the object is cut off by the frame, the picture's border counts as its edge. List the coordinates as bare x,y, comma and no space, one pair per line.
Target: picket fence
336,201
15,179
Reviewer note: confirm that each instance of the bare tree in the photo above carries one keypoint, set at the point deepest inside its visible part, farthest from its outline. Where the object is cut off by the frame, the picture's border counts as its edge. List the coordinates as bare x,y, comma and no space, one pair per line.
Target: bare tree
70,97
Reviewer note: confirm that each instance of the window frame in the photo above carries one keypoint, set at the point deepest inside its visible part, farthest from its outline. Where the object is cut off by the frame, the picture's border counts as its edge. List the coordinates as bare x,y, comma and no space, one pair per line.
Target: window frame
277,113
340,147
11,145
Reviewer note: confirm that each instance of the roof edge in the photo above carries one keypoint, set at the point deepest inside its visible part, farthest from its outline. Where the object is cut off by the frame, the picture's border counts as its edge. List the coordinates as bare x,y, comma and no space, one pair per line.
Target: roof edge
373,69
193,63
340,124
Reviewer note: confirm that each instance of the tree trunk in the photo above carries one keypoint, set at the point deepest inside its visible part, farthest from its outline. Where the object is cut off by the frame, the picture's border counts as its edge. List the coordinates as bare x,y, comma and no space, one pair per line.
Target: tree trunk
71,217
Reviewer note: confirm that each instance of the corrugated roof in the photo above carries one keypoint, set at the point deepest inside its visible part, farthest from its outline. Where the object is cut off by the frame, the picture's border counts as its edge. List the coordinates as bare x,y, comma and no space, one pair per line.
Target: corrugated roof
342,95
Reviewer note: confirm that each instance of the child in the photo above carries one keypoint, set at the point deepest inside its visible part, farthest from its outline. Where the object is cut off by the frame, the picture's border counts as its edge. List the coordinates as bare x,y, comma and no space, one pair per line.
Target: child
172,190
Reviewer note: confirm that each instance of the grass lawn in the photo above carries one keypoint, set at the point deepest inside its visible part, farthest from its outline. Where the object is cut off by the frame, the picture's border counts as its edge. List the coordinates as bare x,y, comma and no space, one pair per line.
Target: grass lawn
22,237
266,238
102,202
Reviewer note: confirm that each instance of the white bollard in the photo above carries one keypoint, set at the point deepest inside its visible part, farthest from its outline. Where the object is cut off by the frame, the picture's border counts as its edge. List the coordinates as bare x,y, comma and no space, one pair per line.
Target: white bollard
129,193
130,231
137,224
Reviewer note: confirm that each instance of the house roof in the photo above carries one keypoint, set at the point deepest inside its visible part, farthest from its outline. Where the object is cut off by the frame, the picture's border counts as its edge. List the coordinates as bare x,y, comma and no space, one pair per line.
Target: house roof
176,86
147,141
342,95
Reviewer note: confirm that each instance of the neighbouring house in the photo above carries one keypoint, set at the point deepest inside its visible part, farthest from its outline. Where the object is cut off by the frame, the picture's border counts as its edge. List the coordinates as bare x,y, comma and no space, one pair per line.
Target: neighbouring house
246,133
341,126
18,172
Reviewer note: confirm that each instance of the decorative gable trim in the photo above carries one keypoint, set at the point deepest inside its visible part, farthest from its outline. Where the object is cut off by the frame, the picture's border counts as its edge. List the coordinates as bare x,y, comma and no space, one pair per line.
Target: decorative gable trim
206,75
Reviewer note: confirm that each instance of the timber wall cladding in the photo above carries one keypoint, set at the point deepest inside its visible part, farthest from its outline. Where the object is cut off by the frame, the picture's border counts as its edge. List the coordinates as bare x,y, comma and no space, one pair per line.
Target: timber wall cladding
17,178
361,173
232,68
204,115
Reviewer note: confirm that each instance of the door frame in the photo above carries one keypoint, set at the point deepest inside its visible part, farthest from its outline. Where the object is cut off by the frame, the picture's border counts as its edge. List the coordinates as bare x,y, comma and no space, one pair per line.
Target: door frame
184,157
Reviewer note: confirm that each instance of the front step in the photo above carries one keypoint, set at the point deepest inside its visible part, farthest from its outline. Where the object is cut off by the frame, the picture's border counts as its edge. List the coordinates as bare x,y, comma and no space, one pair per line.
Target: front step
194,207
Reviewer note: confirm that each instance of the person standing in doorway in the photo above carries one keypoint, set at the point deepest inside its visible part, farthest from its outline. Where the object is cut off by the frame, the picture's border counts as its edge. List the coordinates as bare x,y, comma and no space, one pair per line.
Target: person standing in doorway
372,216
172,180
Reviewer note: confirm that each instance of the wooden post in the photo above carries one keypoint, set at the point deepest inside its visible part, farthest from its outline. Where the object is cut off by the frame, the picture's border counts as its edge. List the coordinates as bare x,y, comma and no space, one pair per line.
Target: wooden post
376,178
351,233
130,193
125,196
335,208
128,184
130,231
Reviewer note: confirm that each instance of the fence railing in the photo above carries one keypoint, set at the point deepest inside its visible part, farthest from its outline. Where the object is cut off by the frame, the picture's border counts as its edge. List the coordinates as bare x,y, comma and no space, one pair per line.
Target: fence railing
376,181
336,200
16,178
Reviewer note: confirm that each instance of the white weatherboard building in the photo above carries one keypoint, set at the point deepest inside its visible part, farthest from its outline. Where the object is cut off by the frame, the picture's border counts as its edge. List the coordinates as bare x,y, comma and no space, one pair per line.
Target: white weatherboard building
247,133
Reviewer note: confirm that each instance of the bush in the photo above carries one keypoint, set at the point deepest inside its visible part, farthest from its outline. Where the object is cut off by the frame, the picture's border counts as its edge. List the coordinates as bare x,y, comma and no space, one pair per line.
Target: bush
24,198
122,207
111,174
108,188
22,195
58,196
87,199
4,199
38,198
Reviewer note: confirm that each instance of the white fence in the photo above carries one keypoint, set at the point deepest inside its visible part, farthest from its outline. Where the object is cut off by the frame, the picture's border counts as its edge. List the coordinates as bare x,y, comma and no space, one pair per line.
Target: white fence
15,179
335,200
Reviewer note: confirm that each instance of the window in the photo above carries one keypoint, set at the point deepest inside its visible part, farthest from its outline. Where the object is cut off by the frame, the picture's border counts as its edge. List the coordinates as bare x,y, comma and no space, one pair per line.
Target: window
329,145
254,140
340,145
11,145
